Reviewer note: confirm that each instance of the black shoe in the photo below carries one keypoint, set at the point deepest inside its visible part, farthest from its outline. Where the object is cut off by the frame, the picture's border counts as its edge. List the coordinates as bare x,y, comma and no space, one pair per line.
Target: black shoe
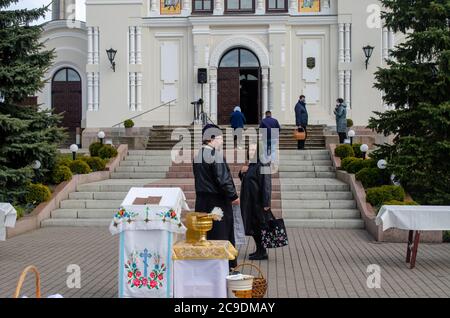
259,257
253,254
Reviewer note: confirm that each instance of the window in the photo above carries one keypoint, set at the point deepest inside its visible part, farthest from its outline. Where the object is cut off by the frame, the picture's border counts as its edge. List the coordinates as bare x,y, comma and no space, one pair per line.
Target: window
66,75
277,5
239,6
202,6
239,58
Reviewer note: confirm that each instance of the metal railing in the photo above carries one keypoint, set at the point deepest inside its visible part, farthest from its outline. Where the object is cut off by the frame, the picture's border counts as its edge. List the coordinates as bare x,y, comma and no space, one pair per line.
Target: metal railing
168,105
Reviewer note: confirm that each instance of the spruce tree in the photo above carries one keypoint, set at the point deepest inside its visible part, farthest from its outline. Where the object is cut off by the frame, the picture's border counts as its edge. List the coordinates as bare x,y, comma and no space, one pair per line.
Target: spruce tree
26,134
416,84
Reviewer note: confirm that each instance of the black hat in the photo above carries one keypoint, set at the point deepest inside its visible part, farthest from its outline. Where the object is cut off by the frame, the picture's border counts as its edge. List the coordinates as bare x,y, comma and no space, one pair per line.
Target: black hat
210,131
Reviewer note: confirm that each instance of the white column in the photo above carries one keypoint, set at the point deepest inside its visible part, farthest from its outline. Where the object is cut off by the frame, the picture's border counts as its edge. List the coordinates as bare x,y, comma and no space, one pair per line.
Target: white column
132,45
391,40
341,84
260,7
385,43
218,7
265,89
206,55
293,7
96,42
283,97
138,45
213,97
271,97
348,81
90,91
96,91
139,92
341,42
90,48
133,92
348,57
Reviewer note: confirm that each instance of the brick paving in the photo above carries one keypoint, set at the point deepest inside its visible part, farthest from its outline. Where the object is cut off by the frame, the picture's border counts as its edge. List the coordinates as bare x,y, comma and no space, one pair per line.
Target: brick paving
317,263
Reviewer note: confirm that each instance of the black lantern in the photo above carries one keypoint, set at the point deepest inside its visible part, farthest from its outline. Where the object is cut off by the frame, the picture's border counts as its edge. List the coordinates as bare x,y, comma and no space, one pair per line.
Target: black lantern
368,50
111,56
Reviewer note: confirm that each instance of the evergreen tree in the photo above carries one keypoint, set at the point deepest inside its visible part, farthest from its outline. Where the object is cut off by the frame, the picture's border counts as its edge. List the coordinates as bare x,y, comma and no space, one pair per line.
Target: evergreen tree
417,85
26,134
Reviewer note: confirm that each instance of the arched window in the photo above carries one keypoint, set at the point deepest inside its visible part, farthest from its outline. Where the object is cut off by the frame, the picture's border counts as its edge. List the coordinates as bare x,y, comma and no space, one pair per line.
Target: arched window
66,75
239,58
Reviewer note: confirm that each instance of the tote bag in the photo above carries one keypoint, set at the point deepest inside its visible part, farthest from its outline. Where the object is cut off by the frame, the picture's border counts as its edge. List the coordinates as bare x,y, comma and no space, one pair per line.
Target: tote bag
274,235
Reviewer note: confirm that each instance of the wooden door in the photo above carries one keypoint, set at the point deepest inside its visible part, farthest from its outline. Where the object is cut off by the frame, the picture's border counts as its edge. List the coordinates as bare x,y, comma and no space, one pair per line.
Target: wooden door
66,99
228,94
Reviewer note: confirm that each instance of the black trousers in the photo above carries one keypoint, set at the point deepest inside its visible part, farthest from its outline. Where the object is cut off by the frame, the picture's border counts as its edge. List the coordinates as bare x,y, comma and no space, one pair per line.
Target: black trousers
301,143
342,137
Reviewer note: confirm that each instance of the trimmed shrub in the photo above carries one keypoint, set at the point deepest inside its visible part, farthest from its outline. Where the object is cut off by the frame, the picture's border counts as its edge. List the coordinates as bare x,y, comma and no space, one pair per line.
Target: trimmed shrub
63,161
128,123
395,202
107,151
344,151
37,193
357,150
371,177
95,163
346,161
377,196
349,123
356,165
94,148
79,167
20,211
61,173
446,237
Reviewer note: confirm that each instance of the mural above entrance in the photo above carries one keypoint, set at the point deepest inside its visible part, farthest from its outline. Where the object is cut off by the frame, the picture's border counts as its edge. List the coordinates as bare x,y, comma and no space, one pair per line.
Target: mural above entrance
170,7
309,6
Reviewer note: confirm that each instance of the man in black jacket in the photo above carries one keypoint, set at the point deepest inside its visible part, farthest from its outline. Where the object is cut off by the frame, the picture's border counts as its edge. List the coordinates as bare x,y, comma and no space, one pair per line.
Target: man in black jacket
301,119
214,186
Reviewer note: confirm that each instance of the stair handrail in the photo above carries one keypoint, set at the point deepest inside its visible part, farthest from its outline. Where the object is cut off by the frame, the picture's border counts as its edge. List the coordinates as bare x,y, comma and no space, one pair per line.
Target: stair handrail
148,111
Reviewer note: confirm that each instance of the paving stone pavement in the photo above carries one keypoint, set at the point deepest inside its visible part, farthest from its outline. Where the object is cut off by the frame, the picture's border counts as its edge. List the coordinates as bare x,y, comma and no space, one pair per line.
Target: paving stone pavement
317,263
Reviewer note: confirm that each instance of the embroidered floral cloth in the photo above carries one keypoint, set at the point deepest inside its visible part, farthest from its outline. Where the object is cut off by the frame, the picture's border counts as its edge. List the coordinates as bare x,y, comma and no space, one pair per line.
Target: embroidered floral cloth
217,250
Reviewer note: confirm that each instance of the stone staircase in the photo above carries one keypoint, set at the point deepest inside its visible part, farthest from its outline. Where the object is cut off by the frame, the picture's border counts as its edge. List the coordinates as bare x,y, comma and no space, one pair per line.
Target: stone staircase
160,137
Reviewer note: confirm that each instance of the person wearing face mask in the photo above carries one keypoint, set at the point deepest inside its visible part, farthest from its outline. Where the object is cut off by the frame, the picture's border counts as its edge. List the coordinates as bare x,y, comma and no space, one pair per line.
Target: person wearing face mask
341,119
256,191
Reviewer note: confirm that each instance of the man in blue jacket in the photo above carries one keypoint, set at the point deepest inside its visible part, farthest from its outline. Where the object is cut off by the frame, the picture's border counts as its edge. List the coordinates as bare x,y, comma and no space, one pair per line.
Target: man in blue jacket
301,119
273,133
237,123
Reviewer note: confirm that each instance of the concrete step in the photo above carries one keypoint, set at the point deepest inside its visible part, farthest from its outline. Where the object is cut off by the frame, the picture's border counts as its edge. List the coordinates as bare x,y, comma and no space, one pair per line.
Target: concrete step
84,213
312,195
110,187
326,223
286,188
103,223
307,174
294,214
97,195
295,168
149,168
90,204
135,163
319,204
138,175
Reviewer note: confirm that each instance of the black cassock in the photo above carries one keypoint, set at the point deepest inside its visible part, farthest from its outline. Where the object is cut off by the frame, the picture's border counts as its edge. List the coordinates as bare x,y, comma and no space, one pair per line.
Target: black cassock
214,187
256,191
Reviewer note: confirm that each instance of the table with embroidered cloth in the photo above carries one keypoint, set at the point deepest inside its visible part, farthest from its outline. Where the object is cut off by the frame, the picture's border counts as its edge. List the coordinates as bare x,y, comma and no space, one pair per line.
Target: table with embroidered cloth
201,271
147,234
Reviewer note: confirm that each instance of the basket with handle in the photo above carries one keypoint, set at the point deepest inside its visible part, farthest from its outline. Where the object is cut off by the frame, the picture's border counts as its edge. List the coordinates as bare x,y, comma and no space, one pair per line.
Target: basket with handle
22,277
259,287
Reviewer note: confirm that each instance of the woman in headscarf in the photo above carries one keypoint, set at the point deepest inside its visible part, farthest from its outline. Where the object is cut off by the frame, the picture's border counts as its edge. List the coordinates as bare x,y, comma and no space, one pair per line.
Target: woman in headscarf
256,191
237,122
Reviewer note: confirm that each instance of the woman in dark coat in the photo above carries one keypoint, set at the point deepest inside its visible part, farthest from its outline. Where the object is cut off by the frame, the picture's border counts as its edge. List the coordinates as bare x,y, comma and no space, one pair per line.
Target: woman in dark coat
256,190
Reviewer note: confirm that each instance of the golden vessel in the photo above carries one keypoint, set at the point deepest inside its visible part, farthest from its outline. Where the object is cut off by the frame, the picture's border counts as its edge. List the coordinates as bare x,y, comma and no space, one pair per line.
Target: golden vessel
198,224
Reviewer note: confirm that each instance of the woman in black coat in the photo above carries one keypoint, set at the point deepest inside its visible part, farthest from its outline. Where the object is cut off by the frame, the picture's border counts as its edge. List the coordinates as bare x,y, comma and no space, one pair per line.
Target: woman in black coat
256,190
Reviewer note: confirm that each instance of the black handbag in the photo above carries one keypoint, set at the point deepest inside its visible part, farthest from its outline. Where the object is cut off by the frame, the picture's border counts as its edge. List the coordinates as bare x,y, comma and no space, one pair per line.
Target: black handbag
274,234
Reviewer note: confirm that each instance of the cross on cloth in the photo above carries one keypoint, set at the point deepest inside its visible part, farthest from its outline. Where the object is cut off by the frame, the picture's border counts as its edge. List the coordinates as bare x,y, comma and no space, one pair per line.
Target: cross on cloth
145,256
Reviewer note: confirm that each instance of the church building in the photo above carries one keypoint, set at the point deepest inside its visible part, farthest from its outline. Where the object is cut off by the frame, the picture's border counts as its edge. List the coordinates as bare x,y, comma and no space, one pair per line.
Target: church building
131,56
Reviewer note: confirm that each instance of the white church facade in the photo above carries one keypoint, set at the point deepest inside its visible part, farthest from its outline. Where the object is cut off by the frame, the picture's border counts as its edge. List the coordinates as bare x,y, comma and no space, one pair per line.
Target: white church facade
259,54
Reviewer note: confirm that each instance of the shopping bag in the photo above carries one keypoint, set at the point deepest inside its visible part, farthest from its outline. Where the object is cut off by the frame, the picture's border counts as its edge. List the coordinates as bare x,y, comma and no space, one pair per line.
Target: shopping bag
299,133
274,235
239,231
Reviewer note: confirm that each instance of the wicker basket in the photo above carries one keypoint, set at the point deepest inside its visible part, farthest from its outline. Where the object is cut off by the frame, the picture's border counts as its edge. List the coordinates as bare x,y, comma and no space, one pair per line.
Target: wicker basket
259,283
22,279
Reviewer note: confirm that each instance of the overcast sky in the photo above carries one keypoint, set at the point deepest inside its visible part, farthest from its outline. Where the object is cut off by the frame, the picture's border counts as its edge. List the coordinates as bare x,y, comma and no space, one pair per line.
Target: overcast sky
22,4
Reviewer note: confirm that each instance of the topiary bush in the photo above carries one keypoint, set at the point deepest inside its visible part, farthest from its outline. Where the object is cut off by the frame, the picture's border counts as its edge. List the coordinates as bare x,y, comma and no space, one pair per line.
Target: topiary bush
372,177
107,151
346,161
377,196
344,151
61,174
357,150
128,123
356,165
37,193
395,202
349,123
63,161
79,167
95,163
94,148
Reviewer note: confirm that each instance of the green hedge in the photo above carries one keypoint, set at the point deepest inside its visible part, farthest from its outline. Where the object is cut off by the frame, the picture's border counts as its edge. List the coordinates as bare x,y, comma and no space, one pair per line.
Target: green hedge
107,151
61,173
128,123
95,163
349,123
372,177
344,151
357,150
94,148
37,193
395,202
446,237
79,167
377,196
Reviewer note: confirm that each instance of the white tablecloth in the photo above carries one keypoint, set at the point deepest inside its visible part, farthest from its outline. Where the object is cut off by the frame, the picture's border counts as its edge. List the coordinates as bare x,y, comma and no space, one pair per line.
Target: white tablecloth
8,216
417,218
147,234
201,278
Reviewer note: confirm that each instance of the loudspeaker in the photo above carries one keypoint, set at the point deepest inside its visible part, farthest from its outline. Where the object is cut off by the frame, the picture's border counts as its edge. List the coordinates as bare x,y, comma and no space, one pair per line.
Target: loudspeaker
202,76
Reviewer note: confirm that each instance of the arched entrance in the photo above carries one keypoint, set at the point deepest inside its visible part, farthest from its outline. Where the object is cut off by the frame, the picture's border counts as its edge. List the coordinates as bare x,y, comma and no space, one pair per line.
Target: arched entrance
67,99
239,83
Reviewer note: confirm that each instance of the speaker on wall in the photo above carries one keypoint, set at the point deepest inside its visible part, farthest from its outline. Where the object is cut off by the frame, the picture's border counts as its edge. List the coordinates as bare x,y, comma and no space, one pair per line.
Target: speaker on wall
202,76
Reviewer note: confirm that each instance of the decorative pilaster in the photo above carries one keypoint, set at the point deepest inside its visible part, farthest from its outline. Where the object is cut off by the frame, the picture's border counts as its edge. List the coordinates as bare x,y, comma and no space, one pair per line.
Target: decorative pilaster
96,91
132,45
265,89
154,7
260,4
341,42
293,6
283,56
90,45
186,7
348,82
218,7
96,46
283,97
341,84
206,55
90,91
213,89
348,56
138,45
385,43
133,92
139,92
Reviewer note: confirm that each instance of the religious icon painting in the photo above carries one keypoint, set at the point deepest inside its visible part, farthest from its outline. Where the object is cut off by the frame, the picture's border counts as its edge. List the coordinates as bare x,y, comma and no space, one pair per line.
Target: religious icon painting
309,5
169,7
